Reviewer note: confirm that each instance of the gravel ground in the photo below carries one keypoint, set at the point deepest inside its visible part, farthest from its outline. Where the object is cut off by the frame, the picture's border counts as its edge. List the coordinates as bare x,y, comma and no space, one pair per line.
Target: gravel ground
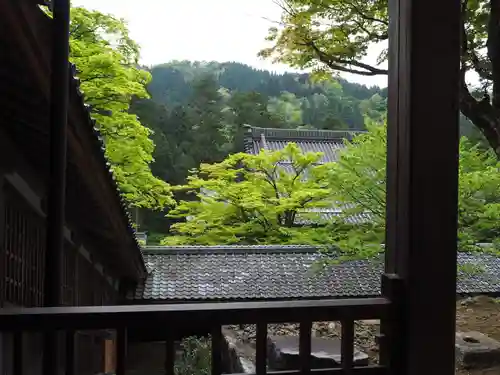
365,332
480,314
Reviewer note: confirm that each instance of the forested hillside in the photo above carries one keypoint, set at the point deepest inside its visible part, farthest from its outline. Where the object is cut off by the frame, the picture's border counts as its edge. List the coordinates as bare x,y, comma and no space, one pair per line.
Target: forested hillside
198,110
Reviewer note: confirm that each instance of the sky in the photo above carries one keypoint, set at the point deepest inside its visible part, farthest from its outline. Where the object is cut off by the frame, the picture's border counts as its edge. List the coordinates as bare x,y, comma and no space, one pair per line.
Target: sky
204,30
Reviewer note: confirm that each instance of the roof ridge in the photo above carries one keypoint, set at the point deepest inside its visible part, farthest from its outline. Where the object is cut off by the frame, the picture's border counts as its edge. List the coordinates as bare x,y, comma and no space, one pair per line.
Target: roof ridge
101,152
304,134
194,249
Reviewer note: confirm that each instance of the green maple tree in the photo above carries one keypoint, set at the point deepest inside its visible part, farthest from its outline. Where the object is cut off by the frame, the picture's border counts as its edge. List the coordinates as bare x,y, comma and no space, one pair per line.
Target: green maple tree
106,58
358,181
332,36
254,199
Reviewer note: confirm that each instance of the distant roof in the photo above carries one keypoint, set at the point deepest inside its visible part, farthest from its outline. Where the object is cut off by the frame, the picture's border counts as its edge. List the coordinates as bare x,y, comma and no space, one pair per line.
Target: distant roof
308,140
229,273
328,142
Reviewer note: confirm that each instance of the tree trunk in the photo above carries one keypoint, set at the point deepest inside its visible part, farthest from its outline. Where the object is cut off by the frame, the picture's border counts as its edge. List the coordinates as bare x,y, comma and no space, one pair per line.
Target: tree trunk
482,114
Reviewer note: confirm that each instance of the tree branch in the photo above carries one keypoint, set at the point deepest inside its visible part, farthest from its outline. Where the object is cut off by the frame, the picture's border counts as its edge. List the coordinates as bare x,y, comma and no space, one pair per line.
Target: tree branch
365,17
337,63
481,113
493,48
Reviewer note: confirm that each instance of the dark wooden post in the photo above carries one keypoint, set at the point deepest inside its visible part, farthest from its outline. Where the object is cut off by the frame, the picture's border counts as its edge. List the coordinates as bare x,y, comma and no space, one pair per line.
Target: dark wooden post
57,177
2,237
169,355
121,350
422,177
70,353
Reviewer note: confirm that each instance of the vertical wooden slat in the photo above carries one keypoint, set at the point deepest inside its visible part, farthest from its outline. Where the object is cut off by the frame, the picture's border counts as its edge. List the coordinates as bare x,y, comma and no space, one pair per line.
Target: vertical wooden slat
121,351
261,349
109,356
217,351
18,353
2,237
8,255
38,269
27,263
347,345
17,256
22,253
70,353
305,346
169,355
33,251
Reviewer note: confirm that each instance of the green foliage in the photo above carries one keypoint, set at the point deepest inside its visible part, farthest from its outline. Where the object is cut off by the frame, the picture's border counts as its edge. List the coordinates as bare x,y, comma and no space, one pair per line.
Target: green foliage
239,95
358,177
106,58
479,197
196,357
328,35
359,182
253,199
333,36
188,129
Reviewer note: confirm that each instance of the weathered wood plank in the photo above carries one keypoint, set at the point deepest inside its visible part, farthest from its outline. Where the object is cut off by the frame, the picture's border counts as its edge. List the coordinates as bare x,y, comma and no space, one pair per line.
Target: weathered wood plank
203,314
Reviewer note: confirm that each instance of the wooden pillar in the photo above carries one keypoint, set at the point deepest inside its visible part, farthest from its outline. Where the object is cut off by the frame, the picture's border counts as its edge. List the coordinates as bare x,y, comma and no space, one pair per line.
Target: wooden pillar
422,177
57,174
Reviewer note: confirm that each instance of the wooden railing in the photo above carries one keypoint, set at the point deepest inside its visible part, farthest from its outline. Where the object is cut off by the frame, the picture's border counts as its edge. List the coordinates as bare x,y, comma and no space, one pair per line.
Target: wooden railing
210,317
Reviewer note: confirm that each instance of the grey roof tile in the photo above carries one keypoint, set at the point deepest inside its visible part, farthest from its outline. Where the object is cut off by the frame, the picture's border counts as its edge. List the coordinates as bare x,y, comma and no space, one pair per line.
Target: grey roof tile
203,273
328,142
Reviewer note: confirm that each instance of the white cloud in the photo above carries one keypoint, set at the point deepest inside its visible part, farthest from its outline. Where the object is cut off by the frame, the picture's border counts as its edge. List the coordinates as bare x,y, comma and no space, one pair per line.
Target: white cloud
218,30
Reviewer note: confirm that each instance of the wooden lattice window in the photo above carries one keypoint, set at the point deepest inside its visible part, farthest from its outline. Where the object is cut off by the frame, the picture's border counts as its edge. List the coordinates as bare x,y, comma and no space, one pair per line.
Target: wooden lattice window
84,281
108,292
69,276
22,253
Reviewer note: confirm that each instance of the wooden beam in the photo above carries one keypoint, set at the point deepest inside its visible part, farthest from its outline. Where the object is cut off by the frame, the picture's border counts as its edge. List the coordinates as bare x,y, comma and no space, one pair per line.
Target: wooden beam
422,177
191,316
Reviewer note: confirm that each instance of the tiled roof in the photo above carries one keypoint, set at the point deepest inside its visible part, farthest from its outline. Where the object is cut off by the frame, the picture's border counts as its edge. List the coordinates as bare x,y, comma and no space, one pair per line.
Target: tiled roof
100,151
322,215
205,273
328,142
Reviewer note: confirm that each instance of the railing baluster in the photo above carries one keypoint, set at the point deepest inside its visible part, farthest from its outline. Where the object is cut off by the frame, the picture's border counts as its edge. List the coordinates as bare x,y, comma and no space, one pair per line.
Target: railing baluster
18,353
169,355
347,345
121,350
217,351
305,347
70,353
261,349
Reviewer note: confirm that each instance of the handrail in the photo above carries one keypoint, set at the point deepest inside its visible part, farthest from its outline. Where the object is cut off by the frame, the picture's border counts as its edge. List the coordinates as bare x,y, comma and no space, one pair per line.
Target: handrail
101,317
181,320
